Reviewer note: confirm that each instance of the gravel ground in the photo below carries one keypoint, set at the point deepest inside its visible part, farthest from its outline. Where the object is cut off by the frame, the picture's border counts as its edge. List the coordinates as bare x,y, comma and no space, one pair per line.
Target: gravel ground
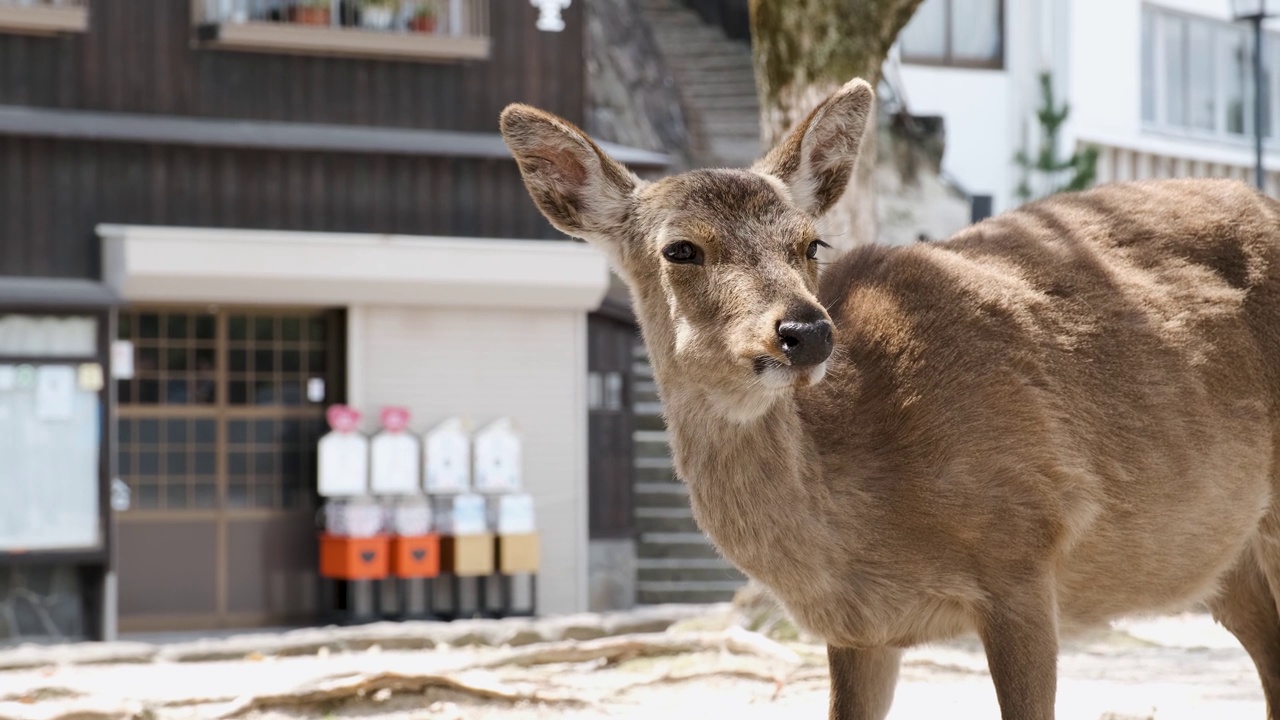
1166,669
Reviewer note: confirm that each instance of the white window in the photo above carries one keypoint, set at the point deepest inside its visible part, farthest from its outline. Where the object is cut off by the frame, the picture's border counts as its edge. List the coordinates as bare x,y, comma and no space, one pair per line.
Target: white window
1197,75
959,33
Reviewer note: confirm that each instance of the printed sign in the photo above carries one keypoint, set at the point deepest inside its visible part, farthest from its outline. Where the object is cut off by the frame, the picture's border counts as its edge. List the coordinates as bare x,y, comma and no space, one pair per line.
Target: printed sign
497,458
122,359
448,458
396,469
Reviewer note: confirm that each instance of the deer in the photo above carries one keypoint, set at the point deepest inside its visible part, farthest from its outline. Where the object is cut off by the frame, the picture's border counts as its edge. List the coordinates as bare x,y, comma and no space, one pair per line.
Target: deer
1060,416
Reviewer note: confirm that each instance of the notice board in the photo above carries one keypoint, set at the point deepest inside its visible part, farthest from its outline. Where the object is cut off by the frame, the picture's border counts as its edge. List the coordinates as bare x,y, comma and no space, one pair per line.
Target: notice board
50,437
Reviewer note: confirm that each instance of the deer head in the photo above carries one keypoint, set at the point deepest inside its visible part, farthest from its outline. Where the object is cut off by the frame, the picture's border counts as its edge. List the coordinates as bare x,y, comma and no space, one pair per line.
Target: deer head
722,263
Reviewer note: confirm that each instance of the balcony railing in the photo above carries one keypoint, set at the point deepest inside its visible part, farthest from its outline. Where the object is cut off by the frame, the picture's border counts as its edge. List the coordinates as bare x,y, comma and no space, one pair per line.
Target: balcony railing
427,29
44,17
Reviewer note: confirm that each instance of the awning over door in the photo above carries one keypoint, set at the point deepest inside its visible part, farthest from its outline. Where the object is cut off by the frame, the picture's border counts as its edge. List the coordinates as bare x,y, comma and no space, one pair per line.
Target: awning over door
151,263
55,293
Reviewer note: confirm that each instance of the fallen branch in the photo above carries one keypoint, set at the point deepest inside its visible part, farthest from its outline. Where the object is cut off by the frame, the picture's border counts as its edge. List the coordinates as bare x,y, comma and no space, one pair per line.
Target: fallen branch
348,687
627,647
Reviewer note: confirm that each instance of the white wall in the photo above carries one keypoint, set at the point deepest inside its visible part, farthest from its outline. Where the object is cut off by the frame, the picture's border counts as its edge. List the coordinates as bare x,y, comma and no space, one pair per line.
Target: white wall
1094,50
979,151
1106,68
529,365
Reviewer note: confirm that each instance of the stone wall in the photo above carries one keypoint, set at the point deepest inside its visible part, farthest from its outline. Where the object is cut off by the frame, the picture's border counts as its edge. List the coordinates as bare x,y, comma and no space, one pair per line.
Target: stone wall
612,568
914,201
632,99
40,603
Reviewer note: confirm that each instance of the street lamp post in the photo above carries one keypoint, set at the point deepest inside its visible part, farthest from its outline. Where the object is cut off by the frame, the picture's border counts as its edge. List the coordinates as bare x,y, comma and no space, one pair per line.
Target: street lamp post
1256,11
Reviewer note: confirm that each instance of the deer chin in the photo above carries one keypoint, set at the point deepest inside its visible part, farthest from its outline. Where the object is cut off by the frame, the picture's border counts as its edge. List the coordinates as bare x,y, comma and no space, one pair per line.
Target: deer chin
777,376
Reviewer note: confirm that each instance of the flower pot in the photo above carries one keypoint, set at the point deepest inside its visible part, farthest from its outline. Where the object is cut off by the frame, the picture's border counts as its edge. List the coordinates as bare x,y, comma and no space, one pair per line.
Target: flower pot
423,24
307,15
377,18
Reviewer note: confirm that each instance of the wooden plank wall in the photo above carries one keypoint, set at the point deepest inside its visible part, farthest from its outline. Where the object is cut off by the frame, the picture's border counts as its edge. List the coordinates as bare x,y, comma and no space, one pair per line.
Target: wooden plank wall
139,56
53,193
611,453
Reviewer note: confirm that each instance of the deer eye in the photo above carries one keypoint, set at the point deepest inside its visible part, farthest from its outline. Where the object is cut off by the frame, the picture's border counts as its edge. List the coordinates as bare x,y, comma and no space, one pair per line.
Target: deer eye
811,252
683,253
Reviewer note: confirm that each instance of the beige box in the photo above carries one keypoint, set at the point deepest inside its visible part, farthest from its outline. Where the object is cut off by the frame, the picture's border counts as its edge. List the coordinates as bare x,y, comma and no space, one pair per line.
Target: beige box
517,554
467,555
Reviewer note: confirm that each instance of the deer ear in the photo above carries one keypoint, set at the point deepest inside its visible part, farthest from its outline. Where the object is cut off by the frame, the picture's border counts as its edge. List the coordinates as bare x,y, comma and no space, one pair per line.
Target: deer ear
817,158
577,186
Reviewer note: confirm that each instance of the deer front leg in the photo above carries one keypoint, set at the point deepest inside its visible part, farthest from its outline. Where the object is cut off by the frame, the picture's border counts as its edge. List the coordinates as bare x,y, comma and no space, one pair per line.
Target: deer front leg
1020,634
862,682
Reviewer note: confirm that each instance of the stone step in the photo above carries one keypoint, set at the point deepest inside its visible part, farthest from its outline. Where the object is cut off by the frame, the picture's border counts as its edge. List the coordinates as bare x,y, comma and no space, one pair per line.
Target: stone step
720,86
690,585
675,15
654,437
654,462
651,448
654,475
649,422
660,494
644,390
694,79
740,151
688,44
742,105
682,563
665,520
684,545
654,551
725,573
744,129
711,70
647,408
692,598
687,592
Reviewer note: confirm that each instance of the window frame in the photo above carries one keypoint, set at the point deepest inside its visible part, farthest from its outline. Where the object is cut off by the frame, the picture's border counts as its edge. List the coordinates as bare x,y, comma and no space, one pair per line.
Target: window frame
44,19
947,58
341,40
1153,59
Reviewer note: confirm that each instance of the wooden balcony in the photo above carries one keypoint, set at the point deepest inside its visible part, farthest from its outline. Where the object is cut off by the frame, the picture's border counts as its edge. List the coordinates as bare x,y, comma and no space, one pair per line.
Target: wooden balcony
426,30
44,17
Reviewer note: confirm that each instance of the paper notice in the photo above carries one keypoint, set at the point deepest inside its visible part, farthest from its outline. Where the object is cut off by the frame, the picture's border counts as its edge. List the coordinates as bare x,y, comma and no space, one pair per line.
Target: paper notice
55,392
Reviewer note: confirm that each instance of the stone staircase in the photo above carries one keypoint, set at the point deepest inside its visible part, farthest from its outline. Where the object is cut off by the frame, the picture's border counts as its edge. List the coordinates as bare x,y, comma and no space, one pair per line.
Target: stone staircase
716,83
676,562
713,75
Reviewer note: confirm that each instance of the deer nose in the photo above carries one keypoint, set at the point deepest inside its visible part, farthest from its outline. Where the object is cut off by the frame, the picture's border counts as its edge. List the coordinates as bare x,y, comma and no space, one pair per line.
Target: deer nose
805,343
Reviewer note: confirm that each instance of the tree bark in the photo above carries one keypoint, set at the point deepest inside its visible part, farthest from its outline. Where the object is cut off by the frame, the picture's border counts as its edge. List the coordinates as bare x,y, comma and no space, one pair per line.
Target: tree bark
803,50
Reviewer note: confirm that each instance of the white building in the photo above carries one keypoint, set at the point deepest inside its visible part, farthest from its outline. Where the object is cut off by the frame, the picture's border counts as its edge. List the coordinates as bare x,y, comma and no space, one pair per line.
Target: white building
1163,88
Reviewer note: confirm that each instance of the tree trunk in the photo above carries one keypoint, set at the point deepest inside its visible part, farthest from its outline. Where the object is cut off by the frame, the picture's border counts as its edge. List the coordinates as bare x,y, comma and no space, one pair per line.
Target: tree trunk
803,50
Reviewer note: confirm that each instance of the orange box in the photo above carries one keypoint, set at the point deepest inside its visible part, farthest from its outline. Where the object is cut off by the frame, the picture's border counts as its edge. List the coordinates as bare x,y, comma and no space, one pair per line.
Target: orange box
467,555
415,557
350,558
517,554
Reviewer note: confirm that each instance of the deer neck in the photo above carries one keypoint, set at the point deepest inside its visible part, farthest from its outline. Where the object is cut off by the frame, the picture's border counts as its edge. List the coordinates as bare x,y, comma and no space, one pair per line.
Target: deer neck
751,481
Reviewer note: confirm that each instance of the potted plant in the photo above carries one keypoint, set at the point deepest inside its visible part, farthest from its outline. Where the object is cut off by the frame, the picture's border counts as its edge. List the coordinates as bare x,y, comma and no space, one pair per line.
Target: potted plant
310,12
377,14
424,19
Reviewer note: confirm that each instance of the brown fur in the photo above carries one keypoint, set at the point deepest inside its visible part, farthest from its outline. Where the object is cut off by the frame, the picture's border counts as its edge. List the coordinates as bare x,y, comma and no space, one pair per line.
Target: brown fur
1060,416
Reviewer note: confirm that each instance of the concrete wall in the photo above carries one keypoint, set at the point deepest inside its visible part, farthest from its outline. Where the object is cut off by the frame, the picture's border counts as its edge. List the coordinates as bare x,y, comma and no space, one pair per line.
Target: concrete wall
613,575
529,365
973,102
1093,48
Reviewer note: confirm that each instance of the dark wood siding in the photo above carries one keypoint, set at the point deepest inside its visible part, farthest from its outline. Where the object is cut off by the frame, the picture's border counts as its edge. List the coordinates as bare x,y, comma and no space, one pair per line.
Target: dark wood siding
140,56
53,193
610,427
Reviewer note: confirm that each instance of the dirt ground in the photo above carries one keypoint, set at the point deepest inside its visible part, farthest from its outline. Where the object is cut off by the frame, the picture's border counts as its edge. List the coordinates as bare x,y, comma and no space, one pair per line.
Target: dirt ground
1173,668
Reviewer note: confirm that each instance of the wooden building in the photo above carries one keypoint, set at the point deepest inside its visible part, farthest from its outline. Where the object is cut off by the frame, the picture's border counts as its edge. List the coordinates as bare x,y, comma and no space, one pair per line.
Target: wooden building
240,212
